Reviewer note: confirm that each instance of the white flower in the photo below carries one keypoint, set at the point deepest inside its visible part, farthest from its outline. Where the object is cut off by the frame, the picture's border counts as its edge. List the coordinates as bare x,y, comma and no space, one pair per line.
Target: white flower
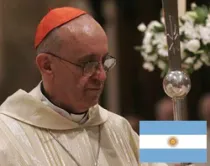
189,60
147,48
149,58
193,5
144,54
152,58
205,59
147,38
205,34
161,64
142,27
189,30
153,24
187,18
193,45
197,65
148,66
159,38
163,52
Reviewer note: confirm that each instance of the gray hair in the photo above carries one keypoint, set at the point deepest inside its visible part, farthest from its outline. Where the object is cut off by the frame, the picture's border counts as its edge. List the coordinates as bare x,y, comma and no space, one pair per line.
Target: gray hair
51,43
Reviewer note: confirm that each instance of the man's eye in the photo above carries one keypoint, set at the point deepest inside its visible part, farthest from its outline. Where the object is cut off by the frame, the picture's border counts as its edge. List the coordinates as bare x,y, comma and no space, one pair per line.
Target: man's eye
83,63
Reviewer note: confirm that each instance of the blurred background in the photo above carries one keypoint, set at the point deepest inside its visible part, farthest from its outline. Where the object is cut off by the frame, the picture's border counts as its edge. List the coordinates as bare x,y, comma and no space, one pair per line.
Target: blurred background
130,90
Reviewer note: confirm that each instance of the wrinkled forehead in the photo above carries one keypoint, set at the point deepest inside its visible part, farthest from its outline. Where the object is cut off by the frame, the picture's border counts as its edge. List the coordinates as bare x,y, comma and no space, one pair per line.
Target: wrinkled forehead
84,37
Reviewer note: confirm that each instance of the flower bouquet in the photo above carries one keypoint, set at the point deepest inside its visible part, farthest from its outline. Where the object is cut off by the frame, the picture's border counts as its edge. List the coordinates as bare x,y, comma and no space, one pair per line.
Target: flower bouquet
194,36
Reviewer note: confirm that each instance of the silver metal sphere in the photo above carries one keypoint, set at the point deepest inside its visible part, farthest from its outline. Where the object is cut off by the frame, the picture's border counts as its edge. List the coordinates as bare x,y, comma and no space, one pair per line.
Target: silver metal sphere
176,84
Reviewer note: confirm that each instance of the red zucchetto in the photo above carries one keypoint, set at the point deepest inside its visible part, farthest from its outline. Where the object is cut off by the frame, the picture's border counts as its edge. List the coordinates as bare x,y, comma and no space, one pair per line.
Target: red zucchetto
55,18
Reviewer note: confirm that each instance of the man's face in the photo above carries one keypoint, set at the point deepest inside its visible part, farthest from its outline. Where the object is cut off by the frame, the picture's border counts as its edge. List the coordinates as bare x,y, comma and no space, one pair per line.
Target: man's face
86,43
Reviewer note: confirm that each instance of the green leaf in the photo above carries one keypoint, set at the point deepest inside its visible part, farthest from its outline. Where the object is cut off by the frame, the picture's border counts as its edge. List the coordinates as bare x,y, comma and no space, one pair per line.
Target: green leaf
202,14
200,52
159,29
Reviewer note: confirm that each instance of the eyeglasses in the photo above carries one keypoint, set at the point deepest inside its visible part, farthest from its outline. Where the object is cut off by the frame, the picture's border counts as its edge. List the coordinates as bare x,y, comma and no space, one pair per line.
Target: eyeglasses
89,68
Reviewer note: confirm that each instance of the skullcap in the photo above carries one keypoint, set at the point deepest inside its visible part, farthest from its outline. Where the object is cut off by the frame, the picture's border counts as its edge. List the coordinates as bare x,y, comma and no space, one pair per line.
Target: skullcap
53,19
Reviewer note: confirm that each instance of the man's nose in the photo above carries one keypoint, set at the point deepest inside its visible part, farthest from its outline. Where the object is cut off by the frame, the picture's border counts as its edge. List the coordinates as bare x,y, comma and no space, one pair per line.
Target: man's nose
100,73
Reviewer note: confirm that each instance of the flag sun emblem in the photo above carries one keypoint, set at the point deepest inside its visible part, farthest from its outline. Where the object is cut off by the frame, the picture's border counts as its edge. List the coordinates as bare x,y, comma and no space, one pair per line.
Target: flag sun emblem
173,141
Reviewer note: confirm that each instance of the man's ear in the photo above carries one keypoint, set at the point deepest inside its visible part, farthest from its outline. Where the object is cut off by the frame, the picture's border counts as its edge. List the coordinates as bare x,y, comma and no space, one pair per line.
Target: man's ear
44,63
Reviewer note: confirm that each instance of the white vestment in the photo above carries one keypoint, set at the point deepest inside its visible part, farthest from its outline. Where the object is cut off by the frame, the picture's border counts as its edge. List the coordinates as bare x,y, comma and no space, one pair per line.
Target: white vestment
33,134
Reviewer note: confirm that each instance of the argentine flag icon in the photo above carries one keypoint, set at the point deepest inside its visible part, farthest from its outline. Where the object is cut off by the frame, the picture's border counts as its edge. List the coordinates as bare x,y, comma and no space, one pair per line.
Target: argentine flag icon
173,141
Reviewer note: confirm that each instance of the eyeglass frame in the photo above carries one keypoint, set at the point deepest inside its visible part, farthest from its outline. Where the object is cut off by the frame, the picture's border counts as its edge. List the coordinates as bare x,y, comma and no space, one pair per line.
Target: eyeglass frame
83,66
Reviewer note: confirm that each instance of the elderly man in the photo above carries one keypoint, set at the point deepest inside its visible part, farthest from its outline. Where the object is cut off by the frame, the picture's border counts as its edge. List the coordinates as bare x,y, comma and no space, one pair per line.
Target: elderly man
59,123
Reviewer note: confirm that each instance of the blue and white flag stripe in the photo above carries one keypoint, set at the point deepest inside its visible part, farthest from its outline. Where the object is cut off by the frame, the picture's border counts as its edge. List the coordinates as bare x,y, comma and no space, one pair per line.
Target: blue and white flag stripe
173,156
172,127
184,142
173,141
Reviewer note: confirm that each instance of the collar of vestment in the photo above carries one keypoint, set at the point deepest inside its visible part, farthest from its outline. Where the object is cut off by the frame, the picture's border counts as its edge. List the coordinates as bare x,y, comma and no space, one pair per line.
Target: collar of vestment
28,108
40,91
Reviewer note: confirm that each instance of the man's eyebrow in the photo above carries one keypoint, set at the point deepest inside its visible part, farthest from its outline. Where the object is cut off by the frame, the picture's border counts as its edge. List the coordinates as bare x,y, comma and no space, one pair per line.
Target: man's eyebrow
87,57
90,57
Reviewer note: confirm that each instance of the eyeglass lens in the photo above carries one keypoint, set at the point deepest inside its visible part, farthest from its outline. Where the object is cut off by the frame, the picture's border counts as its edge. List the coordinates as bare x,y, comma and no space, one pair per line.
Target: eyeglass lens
91,67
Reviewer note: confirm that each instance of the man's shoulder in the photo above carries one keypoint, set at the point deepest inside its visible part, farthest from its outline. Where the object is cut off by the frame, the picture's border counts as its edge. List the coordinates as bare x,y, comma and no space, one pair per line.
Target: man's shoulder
116,119
3,120
6,122
5,129
10,126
